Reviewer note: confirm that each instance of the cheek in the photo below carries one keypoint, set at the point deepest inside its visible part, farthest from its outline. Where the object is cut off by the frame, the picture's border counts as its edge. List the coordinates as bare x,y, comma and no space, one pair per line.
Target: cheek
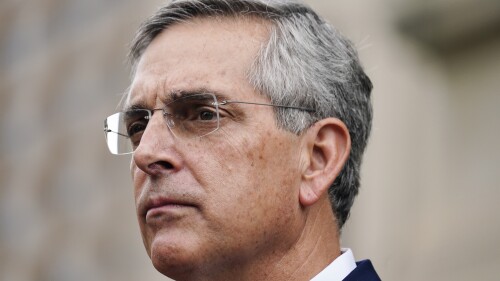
138,180
235,158
253,173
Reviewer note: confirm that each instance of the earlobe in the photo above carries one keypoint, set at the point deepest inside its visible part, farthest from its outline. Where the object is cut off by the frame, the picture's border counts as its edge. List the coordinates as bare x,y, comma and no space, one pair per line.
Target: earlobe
328,145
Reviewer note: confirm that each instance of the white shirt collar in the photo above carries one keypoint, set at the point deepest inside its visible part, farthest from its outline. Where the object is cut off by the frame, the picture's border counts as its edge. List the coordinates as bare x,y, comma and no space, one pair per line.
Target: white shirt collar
339,268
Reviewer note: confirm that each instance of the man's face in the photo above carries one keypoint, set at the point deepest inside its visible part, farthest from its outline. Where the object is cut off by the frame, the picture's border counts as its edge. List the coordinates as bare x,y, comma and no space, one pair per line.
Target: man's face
227,198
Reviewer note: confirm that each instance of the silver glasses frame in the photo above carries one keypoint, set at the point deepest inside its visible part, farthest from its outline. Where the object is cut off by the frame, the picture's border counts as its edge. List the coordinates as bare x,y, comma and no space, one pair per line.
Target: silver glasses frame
170,123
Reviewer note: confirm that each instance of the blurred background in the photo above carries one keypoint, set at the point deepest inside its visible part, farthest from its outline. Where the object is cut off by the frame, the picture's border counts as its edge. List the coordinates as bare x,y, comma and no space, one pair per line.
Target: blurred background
430,200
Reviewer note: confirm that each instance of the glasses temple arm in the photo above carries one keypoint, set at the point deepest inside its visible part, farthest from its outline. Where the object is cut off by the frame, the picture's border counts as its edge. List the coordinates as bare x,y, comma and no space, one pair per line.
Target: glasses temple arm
110,131
267,104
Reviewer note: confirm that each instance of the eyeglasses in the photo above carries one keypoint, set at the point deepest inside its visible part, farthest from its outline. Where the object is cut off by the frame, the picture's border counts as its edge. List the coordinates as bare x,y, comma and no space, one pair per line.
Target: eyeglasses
190,116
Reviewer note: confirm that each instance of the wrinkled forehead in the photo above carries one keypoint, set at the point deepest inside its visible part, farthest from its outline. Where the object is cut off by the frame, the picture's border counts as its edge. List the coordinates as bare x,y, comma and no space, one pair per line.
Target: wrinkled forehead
214,55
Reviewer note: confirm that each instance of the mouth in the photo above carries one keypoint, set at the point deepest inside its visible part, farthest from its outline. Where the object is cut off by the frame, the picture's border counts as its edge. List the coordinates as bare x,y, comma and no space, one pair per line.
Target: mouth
163,207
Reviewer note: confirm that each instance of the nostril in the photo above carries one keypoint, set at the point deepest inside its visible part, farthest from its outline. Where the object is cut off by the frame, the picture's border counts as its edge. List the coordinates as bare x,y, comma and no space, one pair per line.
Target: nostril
166,165
163,165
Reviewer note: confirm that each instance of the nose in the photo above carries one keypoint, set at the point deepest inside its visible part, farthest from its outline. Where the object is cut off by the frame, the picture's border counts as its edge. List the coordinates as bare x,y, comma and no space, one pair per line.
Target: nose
156,153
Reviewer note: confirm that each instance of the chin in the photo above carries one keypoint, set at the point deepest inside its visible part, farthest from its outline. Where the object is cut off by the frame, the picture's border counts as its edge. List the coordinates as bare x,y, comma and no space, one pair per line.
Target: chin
175,260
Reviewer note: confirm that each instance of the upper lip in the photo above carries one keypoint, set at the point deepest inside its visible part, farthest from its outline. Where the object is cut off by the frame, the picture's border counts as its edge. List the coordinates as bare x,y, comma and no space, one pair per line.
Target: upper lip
155,202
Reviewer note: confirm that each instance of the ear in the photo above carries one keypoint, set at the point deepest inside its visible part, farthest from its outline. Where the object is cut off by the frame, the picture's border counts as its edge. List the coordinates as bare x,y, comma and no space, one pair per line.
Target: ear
328,144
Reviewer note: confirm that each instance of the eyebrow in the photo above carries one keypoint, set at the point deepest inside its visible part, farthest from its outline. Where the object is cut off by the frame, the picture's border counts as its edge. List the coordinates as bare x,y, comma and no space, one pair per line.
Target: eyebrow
177,94
134,106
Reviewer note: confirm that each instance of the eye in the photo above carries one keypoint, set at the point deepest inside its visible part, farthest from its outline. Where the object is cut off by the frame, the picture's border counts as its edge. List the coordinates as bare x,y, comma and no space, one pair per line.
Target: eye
195,112
134,122
135,131
198,108
207,115
136,128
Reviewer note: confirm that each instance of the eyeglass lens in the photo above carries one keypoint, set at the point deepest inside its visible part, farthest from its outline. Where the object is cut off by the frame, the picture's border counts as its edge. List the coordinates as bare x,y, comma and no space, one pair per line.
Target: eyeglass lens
187,117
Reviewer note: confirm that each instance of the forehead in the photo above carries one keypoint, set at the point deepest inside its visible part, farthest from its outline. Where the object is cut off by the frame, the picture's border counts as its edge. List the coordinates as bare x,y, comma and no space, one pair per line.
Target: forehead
214,54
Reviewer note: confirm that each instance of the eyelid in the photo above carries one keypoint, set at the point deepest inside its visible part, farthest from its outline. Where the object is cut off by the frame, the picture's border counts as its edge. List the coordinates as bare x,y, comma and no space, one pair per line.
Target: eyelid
227,110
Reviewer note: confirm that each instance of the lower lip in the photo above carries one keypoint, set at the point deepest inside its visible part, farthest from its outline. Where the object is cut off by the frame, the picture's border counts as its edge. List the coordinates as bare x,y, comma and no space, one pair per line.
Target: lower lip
169,211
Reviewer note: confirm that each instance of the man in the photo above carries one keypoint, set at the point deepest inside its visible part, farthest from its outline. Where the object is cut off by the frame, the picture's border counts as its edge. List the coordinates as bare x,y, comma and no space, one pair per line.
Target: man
247,120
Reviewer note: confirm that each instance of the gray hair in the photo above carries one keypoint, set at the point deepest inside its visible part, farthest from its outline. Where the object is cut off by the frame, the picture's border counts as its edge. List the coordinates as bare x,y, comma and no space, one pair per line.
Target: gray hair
305,63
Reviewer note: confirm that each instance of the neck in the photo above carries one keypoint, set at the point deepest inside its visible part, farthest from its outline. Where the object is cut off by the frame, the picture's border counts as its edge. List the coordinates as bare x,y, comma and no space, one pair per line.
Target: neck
315,246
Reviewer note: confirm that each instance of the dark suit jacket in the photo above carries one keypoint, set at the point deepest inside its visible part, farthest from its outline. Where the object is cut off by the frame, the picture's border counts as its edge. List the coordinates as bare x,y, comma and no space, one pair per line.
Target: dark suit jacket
364,272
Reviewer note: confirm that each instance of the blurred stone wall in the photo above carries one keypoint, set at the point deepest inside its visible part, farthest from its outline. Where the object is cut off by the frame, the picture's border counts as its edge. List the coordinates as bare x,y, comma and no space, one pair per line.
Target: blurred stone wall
67,209
428,208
